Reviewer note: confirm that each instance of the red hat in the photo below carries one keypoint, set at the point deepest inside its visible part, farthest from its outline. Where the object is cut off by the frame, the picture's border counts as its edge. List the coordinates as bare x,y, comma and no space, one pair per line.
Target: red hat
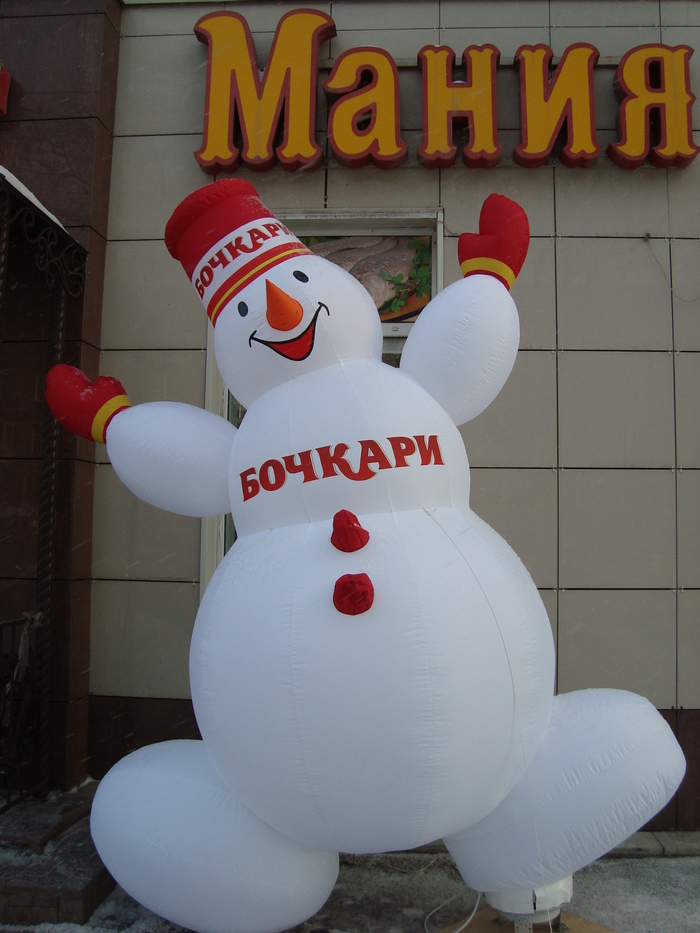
500,246
225,237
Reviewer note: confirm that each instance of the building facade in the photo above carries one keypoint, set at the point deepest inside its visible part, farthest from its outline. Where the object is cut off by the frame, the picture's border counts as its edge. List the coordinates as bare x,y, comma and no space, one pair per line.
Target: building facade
588,462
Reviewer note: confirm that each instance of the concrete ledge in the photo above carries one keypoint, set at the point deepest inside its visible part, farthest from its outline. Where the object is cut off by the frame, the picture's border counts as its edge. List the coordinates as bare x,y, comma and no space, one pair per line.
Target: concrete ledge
679,844
63,884
33,823
657,845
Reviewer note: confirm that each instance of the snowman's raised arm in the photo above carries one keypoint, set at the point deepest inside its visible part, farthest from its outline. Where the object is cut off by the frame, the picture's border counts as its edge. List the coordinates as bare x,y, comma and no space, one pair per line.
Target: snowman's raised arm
463,346
171,455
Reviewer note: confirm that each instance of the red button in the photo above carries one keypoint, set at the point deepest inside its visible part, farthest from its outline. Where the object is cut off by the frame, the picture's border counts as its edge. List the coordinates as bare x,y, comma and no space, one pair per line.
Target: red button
348,533
353,594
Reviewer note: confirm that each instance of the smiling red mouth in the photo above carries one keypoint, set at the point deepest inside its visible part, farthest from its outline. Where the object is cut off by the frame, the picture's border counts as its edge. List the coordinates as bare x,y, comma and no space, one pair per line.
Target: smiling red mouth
299,347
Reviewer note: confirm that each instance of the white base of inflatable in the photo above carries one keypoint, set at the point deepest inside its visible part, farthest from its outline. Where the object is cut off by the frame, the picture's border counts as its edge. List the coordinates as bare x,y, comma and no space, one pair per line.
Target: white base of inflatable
177,839
539,905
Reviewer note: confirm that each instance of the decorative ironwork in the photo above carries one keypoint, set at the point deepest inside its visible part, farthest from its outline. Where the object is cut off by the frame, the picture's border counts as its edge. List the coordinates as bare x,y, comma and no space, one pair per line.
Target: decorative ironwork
19,708
56,253
25,671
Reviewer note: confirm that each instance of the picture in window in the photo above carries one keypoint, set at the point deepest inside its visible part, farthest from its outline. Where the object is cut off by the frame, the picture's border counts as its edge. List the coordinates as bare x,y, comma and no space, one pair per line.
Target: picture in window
395,270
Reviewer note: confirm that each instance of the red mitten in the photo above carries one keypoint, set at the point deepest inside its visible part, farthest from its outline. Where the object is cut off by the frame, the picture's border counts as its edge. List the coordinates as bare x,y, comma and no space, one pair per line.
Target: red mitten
85,408
500,246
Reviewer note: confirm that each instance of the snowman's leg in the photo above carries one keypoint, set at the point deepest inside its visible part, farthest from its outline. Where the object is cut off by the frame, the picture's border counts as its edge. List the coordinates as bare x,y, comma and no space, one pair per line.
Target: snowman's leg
174,836
606,765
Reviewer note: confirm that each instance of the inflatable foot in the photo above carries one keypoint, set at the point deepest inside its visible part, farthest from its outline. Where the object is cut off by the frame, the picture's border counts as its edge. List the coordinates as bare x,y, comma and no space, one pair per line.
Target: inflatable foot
177,840
606,765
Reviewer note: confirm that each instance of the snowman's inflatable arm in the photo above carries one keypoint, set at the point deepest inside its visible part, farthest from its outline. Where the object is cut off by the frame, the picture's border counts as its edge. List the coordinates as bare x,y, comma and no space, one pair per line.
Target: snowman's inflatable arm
171,455
463,346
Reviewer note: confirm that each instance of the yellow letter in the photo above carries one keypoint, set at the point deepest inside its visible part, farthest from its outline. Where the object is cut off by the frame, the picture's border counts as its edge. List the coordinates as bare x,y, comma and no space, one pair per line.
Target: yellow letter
444,101
667,69
545,105
233,86
380,141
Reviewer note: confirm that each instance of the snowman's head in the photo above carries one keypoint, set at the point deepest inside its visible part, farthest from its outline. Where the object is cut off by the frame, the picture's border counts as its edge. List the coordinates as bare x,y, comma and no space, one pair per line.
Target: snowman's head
278,311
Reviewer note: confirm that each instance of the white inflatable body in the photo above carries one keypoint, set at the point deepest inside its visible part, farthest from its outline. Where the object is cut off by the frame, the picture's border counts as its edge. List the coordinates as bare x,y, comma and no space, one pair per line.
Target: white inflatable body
426,715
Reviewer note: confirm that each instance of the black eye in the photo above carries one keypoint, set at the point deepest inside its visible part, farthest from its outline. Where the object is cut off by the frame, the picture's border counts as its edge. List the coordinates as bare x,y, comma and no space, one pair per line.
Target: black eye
301,276
242,308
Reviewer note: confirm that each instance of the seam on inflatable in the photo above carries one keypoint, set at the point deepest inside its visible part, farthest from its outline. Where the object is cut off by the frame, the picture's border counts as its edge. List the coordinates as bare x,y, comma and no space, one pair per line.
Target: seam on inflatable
516,705
430,667
295,695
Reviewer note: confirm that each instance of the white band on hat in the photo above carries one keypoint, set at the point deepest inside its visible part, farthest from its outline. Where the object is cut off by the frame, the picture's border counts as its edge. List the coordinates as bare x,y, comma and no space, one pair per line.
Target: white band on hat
239,258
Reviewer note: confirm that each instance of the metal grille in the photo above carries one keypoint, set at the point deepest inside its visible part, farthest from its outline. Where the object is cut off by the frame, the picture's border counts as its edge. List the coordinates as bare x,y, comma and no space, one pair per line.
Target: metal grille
20,708
59,266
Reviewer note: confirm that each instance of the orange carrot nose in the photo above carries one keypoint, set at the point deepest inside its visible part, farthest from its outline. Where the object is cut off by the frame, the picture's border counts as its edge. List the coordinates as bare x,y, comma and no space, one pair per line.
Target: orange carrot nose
283,311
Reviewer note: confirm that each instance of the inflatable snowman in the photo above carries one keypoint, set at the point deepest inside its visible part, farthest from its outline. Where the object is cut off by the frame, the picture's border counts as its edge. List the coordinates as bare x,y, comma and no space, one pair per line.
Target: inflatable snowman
371,667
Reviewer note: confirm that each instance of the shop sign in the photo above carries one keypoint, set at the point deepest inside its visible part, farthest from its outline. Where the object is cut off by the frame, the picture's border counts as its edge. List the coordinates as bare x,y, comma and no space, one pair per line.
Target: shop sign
652,84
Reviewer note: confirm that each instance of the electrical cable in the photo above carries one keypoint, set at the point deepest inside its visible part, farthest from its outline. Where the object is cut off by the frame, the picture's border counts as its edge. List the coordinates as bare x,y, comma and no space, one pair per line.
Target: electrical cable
440,906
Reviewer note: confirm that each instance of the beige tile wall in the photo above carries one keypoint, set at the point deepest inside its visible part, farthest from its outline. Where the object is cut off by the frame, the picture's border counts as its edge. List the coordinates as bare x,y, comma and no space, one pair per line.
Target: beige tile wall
588,462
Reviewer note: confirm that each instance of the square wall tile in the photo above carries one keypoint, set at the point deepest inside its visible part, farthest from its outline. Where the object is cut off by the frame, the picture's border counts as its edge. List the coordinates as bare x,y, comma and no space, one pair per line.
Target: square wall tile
456,14
402,44
679,13
150,176
373,188
614,294
282,190
624,639
164,21
149,303
140,638
411,100
685,263
161,86
607,105
683,197
689,649
519,428
507,99
506,38
153,174
153,375
604,13
156,375
180,19
687,409
145,543
534,291
385,16
521,505
611,41
689,528
464,190
605,201
616,409
617,529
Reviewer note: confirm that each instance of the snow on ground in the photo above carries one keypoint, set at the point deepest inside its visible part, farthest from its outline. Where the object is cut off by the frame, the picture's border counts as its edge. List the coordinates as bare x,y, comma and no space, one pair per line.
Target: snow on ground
391,894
